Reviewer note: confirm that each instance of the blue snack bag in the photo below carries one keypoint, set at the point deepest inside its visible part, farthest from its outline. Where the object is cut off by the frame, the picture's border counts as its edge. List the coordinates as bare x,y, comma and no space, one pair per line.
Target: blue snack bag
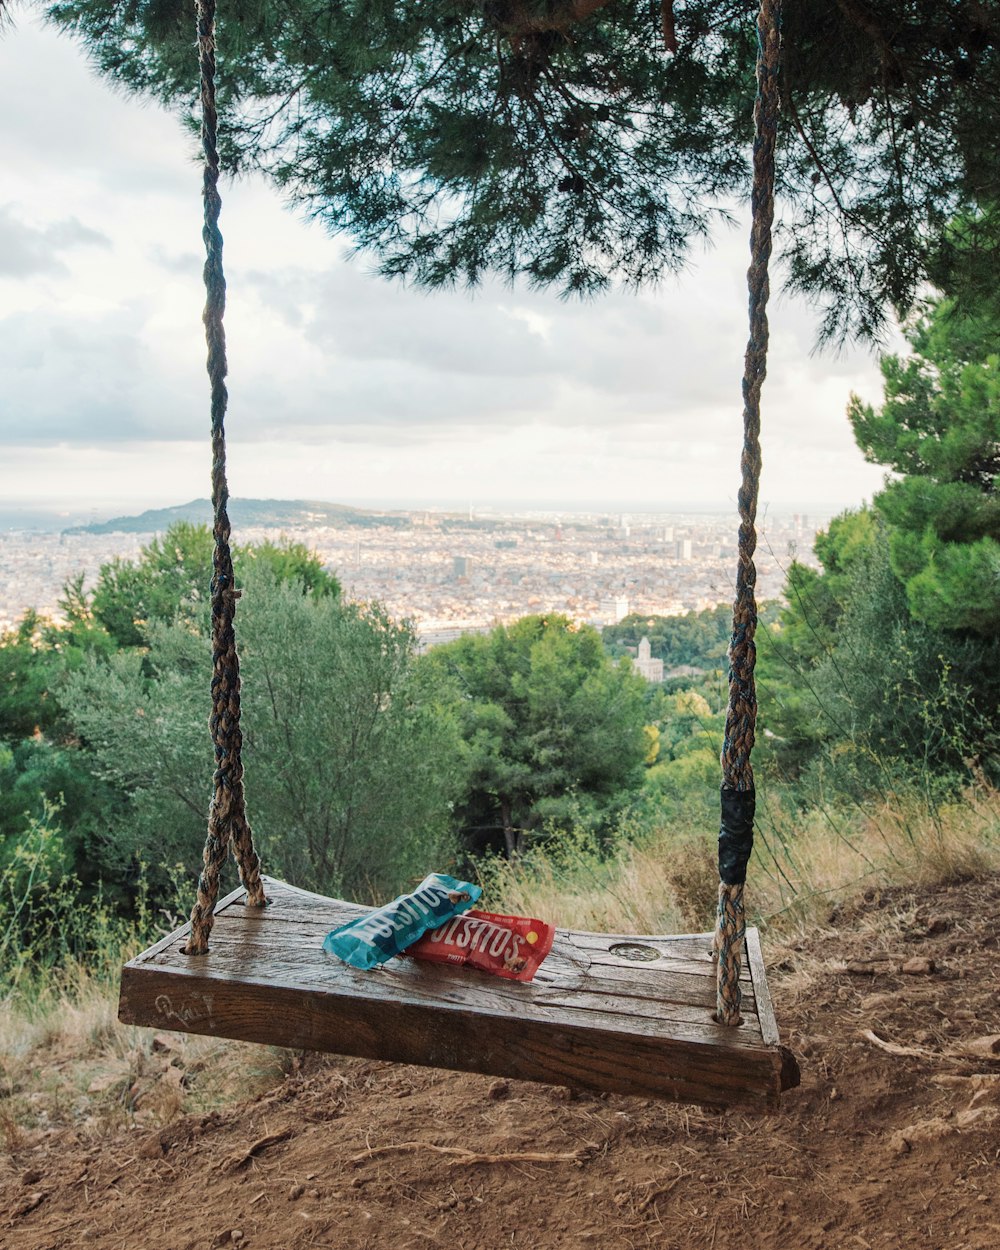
371,940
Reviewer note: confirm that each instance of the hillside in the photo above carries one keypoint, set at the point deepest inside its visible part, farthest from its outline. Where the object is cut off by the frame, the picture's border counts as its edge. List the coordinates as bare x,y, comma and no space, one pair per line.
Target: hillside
890,1142
244,512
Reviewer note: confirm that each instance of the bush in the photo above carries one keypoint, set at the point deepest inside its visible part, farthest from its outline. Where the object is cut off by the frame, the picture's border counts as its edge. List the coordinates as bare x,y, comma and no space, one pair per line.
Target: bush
351,762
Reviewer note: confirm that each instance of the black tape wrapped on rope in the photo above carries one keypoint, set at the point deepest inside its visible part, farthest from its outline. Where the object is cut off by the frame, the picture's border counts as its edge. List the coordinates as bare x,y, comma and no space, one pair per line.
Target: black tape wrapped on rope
736,834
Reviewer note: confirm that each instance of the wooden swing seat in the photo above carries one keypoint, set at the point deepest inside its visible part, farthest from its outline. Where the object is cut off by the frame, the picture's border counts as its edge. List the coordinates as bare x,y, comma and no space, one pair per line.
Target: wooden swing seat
624,1013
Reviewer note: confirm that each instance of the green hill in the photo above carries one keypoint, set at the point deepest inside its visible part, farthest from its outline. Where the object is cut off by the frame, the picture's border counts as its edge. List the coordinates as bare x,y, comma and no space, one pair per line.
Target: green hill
244,512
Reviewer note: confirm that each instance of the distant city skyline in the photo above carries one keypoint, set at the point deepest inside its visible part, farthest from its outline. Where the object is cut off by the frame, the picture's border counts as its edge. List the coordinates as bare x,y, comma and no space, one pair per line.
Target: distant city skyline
55,514
345,387
447,574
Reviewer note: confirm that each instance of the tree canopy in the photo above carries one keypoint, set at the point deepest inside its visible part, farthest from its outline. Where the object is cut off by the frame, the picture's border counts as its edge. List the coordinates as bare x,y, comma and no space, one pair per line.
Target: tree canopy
173,573
939,428
351,761
551,724
577,143
700,638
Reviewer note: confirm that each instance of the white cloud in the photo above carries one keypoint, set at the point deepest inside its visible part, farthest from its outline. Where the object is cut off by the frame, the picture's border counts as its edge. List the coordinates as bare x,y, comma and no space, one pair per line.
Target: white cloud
26,250
343,385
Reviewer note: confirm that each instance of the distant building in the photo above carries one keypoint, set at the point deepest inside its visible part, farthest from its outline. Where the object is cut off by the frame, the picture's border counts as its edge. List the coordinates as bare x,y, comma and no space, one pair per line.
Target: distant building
460,567
434,634
645,665
611,611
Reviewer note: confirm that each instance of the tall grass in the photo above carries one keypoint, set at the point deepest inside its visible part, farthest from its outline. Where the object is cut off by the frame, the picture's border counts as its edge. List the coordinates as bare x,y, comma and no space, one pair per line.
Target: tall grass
48,925
665,881
64,1056
658,882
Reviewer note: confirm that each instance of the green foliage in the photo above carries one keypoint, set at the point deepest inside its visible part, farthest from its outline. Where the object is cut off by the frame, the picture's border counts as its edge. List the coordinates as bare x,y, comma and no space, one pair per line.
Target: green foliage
868,697
351,764
49,920
34,658
882,669
31,871
939,427
560,142
28,670
815,601
700,639
290,562
142,720
907,704
170,574
552,727
964,266
172,577
691,731
354,759
792,723
38,778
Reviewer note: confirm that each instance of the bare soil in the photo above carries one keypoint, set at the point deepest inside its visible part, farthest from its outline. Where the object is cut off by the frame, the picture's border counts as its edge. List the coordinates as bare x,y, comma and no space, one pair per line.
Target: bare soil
893,1140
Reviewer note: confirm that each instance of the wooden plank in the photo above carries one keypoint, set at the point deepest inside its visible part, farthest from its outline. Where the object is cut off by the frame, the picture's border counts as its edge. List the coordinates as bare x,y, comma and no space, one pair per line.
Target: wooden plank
248,940
310,914
431,986
533,1050
589,952
588,948
764,1011
293,905
595,1019
790,1074
647,989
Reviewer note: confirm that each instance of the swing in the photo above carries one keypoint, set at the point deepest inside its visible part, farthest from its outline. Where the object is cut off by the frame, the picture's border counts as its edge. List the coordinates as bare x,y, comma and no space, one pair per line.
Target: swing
681,1017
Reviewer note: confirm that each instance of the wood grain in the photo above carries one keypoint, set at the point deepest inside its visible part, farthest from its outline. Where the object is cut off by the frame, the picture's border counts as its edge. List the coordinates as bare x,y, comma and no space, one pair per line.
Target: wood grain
592,1018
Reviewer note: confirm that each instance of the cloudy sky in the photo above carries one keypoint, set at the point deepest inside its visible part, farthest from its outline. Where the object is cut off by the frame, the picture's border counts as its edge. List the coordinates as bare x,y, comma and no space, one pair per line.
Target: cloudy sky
344,387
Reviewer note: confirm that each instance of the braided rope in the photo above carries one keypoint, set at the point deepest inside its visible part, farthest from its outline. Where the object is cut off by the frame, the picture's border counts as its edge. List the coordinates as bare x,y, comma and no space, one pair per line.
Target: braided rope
227,822
736,839
730,934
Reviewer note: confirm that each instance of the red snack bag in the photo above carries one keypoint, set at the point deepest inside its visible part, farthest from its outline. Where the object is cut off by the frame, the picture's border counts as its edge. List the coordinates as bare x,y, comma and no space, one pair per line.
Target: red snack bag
506,946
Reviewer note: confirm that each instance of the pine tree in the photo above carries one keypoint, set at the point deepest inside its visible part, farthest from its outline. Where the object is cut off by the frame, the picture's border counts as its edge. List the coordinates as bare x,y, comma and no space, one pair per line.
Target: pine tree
939,428
580,142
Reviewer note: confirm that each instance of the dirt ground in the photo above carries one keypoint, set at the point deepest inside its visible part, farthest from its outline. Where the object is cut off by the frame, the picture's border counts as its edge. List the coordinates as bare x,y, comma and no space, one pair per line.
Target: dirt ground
893,1139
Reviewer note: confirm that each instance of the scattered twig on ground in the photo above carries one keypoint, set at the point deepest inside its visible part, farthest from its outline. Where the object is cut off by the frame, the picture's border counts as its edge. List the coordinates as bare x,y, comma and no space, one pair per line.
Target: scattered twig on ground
462,1157
987,1047
237,1161
893,1048
661,1192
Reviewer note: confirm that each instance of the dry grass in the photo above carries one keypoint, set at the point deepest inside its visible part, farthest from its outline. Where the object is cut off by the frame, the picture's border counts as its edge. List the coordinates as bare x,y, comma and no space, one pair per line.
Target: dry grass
585,893
802,866
66,1059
